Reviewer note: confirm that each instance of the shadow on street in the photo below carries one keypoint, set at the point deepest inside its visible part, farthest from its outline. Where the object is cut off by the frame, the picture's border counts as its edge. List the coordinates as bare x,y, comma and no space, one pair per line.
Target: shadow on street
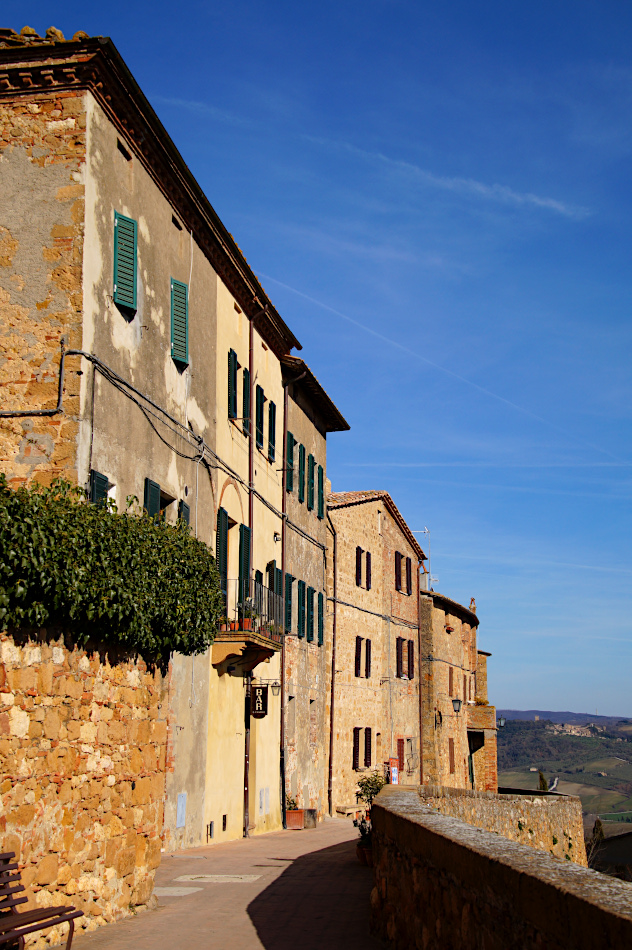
320,902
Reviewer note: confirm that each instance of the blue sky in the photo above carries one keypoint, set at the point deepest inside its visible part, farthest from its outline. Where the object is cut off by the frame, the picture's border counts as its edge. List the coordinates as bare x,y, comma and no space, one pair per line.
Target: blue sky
437,198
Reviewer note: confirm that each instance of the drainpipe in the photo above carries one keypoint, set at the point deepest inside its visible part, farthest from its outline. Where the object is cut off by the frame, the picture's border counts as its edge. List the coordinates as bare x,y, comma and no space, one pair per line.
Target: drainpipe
330,782
251,498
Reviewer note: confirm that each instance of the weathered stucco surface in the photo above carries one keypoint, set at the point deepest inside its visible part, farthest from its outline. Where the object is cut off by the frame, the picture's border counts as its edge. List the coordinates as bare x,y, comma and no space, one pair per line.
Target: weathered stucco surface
42,156
440,882
82,760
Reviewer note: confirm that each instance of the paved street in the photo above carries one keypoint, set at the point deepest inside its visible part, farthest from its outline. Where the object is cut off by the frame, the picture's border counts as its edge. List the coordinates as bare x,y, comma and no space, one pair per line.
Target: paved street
301,889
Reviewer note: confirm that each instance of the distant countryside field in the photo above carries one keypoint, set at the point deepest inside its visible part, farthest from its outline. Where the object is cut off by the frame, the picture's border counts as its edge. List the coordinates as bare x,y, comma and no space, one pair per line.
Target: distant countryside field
576,761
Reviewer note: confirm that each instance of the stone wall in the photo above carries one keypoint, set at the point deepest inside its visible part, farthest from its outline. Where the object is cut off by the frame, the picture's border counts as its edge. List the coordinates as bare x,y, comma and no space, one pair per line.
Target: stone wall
550,823
440,882
42,149
82,761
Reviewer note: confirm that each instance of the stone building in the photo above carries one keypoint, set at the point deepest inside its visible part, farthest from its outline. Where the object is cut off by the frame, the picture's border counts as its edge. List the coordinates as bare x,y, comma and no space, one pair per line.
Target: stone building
143,360
459,725
377,714
309,415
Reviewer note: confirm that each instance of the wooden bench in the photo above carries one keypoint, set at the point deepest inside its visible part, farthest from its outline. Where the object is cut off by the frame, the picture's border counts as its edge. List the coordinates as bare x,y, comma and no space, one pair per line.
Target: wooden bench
15,925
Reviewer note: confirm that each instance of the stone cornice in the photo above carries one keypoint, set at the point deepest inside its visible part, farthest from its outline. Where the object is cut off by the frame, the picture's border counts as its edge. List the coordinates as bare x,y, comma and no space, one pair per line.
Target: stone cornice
95,65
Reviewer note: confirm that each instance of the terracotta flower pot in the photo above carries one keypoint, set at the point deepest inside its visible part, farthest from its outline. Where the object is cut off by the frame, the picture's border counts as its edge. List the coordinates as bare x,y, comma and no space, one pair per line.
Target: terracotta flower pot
295,819
246,623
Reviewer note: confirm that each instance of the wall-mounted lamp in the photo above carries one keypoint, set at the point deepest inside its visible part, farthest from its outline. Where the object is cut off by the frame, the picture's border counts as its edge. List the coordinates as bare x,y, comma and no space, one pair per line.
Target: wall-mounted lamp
456,705
501,722
276,689
277,536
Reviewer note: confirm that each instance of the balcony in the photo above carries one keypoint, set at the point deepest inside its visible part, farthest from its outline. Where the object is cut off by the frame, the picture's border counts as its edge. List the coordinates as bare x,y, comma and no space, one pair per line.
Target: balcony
251,630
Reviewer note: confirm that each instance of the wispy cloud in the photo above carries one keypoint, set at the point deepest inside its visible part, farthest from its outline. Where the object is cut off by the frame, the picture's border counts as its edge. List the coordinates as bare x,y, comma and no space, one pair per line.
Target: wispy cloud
203,108
437,366
465,186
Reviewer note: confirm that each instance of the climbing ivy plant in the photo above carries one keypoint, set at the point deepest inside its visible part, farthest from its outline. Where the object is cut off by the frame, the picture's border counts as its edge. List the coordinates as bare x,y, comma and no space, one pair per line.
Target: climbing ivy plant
103,575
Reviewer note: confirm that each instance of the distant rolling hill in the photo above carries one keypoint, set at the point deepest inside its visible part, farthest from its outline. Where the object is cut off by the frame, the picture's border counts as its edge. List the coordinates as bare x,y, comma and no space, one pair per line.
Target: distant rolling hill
579,719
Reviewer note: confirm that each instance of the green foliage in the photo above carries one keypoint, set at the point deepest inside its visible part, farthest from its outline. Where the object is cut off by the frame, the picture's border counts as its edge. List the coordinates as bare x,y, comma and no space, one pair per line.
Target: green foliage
370,786
133,582
290,804
543,785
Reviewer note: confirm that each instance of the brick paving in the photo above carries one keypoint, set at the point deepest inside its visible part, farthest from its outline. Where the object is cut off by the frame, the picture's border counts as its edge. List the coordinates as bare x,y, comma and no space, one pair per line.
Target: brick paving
311,893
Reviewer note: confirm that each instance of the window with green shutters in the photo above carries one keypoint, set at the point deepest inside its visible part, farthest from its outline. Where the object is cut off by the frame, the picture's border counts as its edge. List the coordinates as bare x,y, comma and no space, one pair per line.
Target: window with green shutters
321,492
232,384
271,431
179,321
301,473
311,466
221,547
246,401
259,401
125,253
98,488
288,603
184,512
301,608
271,571
289,463
244,562
321,620
151,502
310,614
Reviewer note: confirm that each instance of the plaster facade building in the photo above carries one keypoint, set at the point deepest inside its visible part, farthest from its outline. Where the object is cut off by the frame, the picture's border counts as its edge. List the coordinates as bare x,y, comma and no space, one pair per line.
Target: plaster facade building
143,359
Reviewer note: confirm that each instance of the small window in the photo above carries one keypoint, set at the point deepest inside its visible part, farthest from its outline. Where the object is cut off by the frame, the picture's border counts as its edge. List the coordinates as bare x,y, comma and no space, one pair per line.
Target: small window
271,431
400,754
367,748
356,748
289,463
151,502
184,512
232,384
409,576
125,253
301,474
311,593
368,570
411,659
398,571
301,608
311,471
179,322
358,656
321,619
358,566
321,492
399,657
259,405
99,485
367,659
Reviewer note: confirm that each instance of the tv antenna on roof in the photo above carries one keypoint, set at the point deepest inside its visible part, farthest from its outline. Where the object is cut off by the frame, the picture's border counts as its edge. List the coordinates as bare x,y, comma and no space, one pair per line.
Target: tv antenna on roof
431,579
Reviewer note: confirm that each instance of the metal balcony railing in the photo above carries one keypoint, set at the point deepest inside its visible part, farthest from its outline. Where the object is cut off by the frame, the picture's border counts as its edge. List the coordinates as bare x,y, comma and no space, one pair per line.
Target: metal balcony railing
252,606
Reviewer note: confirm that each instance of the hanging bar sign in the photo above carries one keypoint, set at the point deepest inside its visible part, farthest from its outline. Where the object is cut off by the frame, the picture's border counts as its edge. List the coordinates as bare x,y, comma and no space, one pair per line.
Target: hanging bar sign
259,701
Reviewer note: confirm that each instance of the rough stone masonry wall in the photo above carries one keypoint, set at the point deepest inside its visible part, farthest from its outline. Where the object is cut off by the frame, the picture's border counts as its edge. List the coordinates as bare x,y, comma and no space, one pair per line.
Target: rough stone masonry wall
550,823
42,156
442,883
82,772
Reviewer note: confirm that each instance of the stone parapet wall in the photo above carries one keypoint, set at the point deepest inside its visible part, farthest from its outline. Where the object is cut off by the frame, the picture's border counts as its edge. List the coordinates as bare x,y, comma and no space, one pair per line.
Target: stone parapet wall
550,823
82,765
440,882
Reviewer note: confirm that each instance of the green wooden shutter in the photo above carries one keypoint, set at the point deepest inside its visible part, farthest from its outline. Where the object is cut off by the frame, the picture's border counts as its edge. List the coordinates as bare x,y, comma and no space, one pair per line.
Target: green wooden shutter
244,562
271,572
288,603
221,547
278,582
151,502
310,613
260,399
301,608
232,384
289,463
301,473
321,492
321,620
311,465
98,488
246,401
125,253
184,512
271,431
179,321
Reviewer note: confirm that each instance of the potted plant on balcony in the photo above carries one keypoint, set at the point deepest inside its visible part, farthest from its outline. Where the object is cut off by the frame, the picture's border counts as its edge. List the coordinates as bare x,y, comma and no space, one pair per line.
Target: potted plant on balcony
295,816
247,616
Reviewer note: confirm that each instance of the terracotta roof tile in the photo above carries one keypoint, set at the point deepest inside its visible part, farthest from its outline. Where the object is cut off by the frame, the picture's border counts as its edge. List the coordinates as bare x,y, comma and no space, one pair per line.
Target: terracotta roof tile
344,499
